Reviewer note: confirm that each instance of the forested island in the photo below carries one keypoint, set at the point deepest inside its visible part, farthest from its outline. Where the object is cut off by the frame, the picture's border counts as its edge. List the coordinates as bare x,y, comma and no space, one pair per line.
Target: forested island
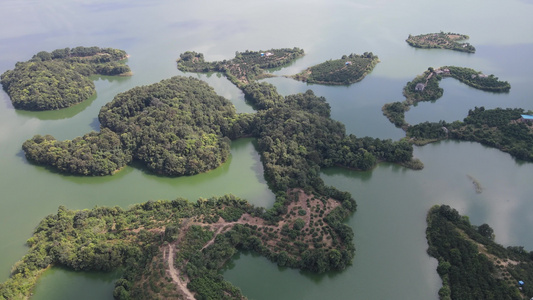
180,126
346,70
441,40
504,129
59,79
175,127
471,265
425,87
244,68
249,66
175,249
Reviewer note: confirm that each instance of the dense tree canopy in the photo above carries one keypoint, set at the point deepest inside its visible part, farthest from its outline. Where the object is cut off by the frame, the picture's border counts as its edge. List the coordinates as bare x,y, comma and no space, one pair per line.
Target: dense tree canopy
180,126
346,70
251,65
93,154
471,264
297,137
477,79
244,68
499,128
60,79
175,127
204,236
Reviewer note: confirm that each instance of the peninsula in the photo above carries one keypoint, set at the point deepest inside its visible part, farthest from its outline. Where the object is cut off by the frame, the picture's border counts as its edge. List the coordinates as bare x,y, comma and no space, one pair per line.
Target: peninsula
471,265
344,71
425,87
180,126
441,40
244,68
509,130
176,249
170,249
59,79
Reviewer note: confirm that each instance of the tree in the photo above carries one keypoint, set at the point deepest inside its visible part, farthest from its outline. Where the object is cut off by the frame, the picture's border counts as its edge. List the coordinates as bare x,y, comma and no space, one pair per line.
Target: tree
486,231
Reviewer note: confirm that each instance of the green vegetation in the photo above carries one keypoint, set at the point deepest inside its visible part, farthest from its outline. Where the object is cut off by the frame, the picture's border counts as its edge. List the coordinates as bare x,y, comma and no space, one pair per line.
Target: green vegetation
499,128
441,40
251,65
347,70
181,127
426,87
93,154
297,137
477,80
244,68
175,127
395,112
172,248
471,264
60,79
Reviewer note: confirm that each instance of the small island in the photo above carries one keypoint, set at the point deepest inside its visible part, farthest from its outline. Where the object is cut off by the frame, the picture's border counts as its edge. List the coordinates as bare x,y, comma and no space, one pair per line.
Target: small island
245,67
441,40
59,79
347,70
425,87
471,265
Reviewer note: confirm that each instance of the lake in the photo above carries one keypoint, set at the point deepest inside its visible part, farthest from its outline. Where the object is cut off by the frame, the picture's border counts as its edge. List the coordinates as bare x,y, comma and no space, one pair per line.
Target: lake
389,225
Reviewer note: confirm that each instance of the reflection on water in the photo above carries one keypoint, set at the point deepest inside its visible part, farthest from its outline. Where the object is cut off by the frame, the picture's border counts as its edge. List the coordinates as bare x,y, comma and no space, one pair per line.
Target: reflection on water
60,283
72,111
58,114
357,175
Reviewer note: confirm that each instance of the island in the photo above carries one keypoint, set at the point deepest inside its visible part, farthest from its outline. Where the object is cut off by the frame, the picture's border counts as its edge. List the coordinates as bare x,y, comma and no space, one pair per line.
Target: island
470,264
425,87
441,40
249,66
244,68
175,127
344,71
509,130
176,249
59,79
180,126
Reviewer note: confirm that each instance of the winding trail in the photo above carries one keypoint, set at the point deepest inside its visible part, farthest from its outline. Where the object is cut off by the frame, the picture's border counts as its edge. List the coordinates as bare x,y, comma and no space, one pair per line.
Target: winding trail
182,286
222,226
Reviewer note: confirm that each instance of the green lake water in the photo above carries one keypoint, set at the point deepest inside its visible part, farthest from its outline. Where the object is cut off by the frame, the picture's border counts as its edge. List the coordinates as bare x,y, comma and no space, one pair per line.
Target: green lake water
389,225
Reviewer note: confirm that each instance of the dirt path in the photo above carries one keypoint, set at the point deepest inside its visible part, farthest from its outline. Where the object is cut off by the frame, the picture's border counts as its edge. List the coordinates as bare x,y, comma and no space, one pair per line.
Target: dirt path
222,226
182,286
217,232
